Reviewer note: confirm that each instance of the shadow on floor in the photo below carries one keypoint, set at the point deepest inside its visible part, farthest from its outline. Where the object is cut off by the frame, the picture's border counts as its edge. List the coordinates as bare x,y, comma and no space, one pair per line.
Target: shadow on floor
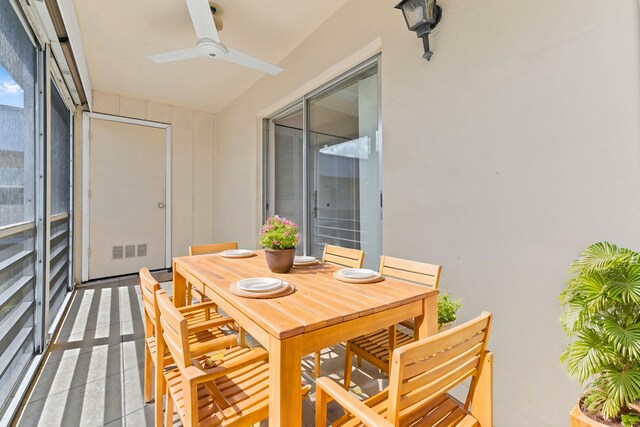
93,372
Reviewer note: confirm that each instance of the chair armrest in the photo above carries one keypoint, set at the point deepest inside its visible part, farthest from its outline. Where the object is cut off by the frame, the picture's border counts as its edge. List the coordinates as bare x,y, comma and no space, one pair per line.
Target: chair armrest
209,324
199,306
351,404
197,375
203,347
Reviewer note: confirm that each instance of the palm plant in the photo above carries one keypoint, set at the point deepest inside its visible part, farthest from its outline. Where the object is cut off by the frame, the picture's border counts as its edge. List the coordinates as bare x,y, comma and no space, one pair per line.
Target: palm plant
602,315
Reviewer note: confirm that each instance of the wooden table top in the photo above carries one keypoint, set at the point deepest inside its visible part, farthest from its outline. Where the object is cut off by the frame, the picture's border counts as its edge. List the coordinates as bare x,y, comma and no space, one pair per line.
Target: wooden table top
320,300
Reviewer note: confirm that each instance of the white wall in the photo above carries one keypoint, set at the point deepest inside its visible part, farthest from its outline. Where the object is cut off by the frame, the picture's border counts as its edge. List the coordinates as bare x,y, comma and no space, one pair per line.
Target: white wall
192,167
503,157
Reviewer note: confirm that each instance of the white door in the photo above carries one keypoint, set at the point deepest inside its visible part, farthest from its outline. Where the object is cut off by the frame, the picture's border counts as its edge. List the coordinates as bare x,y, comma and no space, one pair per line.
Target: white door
127,198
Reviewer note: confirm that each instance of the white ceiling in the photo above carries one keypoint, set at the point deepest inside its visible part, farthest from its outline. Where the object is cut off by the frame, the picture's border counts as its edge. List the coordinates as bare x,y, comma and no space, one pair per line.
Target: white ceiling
119,34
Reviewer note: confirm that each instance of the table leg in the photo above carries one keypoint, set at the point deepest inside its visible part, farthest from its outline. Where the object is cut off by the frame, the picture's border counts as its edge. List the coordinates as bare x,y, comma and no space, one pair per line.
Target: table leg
179,288
285,371
426,325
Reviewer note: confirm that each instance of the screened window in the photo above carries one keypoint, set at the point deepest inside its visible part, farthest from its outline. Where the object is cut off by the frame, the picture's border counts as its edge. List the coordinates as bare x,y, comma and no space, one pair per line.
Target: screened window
18,66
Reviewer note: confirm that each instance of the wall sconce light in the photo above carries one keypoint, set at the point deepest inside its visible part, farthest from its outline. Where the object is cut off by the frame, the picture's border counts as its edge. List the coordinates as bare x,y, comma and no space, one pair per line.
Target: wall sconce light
421,16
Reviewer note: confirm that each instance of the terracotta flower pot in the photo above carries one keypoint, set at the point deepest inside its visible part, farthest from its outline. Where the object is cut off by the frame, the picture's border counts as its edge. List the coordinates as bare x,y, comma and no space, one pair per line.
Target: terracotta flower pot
580,419
280,260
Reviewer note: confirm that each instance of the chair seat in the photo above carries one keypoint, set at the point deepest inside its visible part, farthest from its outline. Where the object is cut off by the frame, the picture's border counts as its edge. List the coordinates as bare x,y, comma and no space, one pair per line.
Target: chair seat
374,347
443,411
246,390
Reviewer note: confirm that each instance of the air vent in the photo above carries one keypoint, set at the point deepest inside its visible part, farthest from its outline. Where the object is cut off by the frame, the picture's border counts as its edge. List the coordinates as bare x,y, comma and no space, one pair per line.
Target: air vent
117,252
142,249
130,251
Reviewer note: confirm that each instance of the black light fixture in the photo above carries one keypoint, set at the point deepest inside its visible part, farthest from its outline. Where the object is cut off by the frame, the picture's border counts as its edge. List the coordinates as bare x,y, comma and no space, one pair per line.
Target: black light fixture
421,16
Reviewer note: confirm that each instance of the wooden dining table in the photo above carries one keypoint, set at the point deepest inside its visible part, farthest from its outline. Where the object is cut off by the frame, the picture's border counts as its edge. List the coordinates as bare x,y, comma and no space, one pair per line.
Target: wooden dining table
322,312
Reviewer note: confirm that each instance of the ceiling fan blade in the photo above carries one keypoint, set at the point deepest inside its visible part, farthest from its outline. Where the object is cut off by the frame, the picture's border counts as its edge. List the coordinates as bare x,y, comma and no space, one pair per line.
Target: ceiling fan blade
251,62
176,55
202,19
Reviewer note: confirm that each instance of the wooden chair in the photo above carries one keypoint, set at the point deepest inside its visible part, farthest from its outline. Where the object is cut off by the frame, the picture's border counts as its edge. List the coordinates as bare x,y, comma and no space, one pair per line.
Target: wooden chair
233,393
422,374
377,347
203,323
343,257
202,250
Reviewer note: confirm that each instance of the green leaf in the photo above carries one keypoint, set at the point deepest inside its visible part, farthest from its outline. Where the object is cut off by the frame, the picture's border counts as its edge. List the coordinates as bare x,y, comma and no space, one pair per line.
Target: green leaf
625,340
623,387
587,355
594,289
571,317
599,257
627,287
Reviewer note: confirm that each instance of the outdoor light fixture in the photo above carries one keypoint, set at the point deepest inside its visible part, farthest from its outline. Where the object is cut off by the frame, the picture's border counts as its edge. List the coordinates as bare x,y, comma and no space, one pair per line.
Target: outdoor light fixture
422,16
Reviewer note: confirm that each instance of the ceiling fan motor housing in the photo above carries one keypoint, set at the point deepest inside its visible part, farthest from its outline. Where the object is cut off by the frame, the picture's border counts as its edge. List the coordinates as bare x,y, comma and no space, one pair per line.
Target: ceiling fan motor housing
212,48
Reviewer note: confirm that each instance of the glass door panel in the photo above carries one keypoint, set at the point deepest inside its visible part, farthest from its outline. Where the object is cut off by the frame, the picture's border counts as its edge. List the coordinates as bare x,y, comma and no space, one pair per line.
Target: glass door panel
288,143
344,168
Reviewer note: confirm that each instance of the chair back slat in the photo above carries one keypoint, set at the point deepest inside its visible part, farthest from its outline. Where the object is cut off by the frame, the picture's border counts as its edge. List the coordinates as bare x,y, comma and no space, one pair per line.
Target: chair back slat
174,330
411,271
212,248
344,257
426,369
148,288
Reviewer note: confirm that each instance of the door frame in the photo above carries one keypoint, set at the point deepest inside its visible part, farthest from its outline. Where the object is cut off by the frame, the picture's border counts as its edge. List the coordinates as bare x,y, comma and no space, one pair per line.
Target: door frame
86,117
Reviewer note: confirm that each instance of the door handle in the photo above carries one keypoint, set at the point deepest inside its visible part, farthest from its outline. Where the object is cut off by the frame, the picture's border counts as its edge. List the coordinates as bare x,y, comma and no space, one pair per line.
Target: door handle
161,205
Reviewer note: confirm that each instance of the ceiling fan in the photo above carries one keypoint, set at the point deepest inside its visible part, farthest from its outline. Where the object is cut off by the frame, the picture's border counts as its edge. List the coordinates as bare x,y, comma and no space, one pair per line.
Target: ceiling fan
209,44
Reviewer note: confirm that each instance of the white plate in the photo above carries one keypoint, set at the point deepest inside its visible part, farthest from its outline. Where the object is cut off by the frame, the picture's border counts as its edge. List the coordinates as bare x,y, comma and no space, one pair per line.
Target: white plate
303,260
260,284
236,253
358,273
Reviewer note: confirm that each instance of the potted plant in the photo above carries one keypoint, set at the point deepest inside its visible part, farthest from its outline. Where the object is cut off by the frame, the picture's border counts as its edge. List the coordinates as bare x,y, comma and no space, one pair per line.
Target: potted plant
279,237
447,311
601,314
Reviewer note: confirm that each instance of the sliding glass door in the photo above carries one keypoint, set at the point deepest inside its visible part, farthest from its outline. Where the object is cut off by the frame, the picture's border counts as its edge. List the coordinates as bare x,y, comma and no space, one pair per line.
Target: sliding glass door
325,165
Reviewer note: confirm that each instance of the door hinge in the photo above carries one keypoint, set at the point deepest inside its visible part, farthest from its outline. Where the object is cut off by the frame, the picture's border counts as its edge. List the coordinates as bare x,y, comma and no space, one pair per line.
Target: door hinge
89,252
381,199
90,193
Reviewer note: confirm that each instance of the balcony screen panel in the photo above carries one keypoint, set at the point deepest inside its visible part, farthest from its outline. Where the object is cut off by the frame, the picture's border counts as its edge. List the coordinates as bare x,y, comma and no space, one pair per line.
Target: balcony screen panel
60,164
17,201
17,285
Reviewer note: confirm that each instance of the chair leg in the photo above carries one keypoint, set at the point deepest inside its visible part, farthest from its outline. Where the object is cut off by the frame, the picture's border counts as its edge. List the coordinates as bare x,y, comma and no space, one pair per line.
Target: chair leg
189,294
359,360
148,375
316,365
348,359
159,392
322,399
168,415
242,339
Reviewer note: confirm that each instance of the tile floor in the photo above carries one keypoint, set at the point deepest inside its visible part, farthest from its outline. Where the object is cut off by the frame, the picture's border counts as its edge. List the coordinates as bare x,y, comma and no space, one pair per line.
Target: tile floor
93,374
